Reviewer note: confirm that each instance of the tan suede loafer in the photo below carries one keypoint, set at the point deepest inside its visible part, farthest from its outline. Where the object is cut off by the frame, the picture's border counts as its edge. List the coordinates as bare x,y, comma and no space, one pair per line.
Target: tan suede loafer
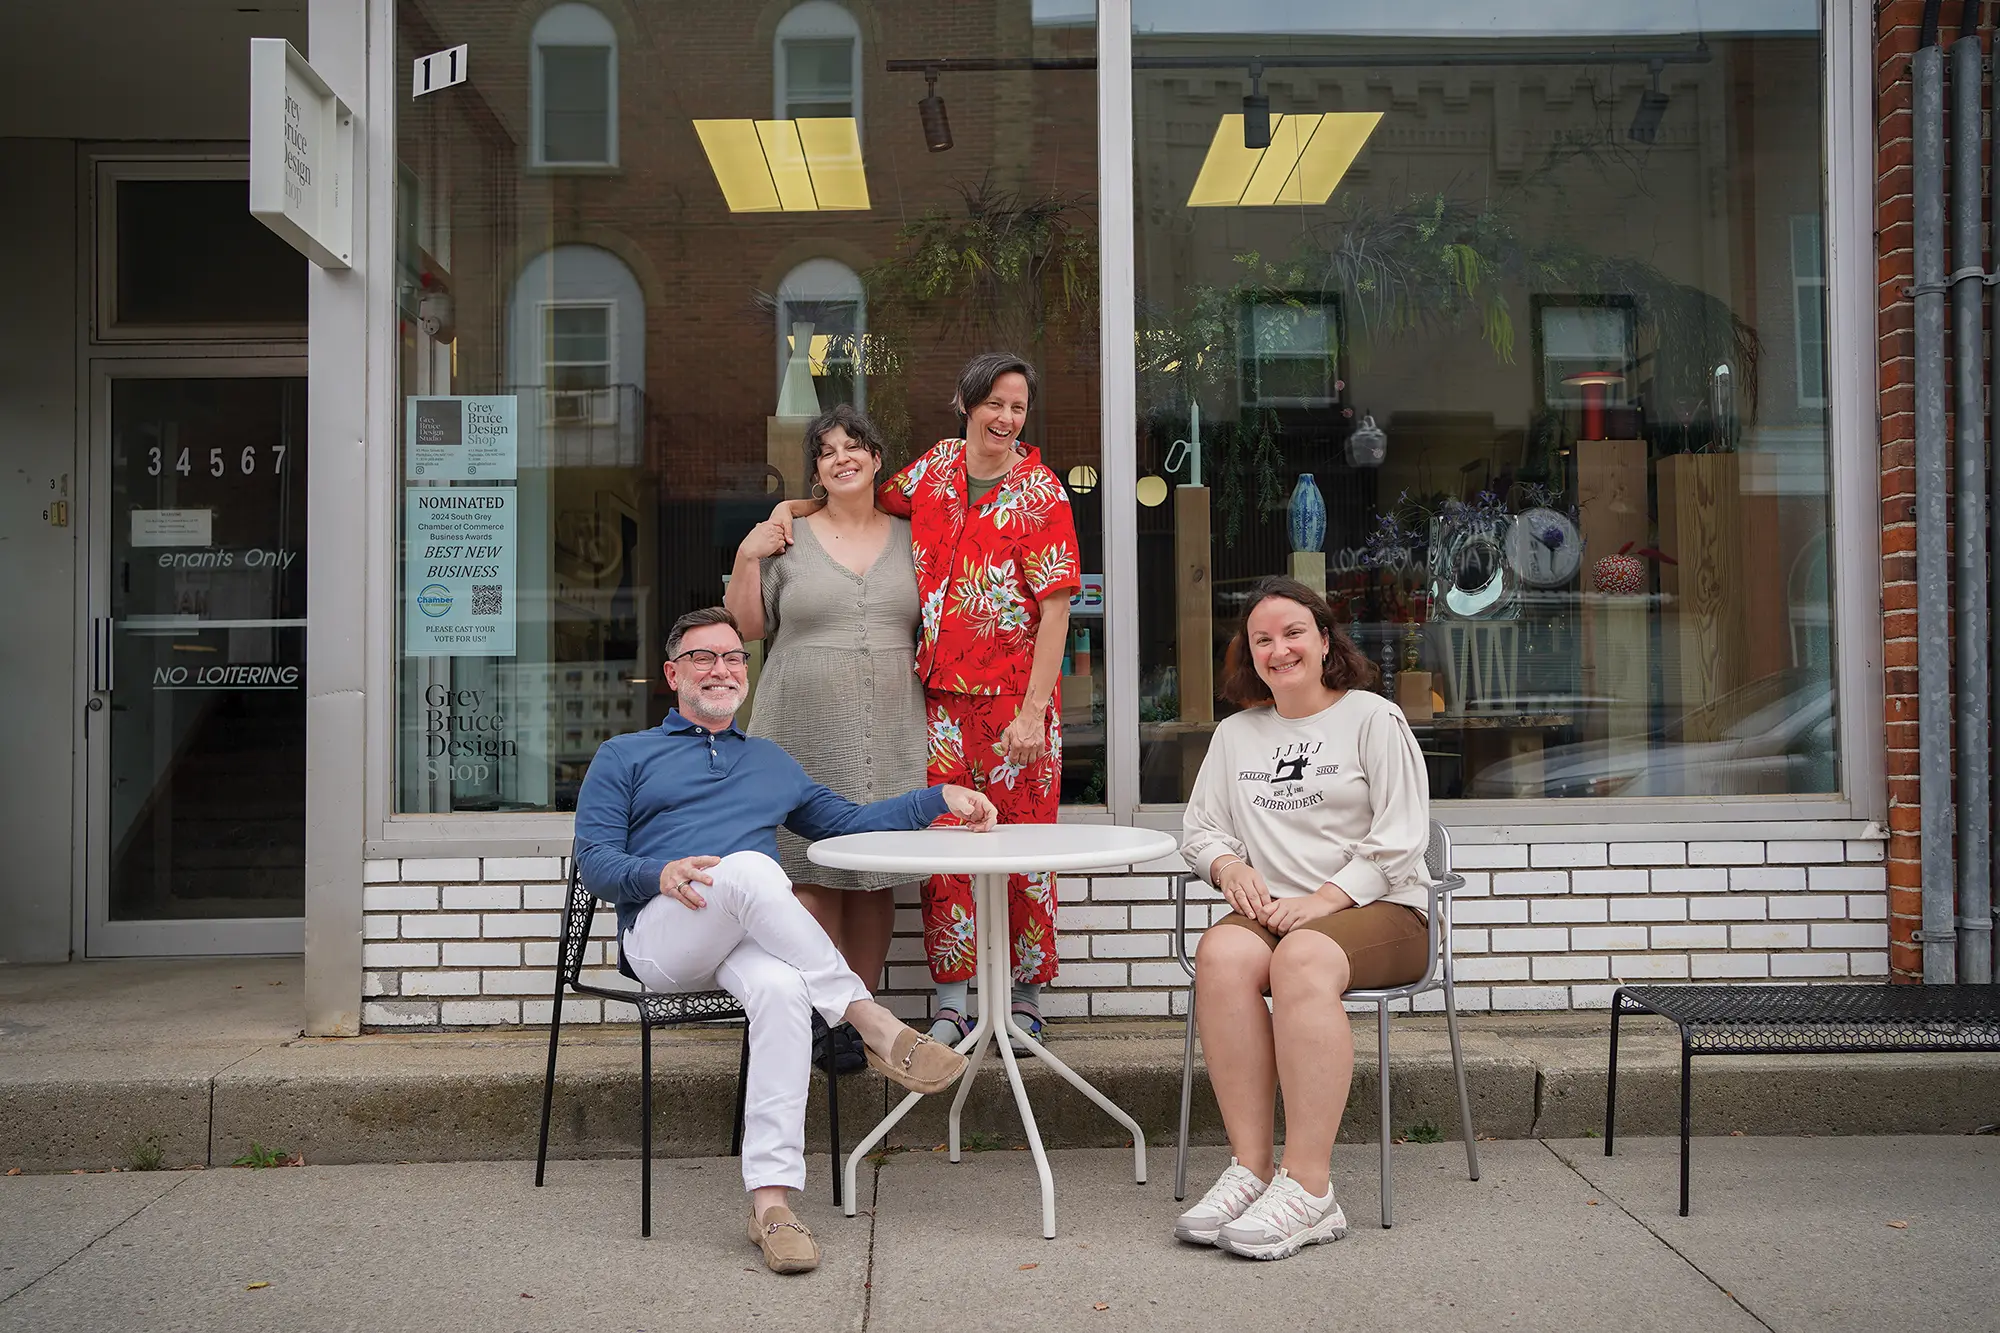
788,1247
918,1063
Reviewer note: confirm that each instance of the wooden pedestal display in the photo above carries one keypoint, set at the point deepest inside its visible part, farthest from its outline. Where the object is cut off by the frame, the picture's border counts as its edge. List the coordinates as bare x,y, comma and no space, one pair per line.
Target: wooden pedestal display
1767,611
1610,514
1309,568
1518,747
1621,631
1079,702
785,451
1700,527
1413,695
1610,497
1194,604
1194,749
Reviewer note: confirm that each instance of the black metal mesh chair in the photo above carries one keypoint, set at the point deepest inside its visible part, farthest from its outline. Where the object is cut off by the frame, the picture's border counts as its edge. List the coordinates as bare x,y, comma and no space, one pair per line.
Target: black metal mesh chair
657,1009
1437,974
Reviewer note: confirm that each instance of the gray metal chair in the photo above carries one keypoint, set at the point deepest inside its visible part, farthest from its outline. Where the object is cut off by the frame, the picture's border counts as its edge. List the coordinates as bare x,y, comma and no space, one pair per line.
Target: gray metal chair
1438,974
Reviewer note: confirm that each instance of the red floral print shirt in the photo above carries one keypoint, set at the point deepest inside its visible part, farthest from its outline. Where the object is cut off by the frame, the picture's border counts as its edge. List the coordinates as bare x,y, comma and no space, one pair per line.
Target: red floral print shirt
982,571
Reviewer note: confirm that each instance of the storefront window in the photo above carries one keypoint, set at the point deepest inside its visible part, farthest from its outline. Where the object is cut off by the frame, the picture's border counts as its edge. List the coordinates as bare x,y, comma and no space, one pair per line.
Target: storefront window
1510,337
606,374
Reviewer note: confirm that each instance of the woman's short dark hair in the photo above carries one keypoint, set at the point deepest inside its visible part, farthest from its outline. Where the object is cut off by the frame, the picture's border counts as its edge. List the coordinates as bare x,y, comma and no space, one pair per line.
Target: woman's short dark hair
850,419
707,615
1345,667
981,373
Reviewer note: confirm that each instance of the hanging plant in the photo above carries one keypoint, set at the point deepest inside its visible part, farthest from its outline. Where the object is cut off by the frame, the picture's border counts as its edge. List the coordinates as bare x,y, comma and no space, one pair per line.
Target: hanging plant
1244,464
1002,270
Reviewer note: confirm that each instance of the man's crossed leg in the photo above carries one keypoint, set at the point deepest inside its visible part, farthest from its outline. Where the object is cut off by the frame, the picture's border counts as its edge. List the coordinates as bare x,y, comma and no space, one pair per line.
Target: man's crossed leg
754,939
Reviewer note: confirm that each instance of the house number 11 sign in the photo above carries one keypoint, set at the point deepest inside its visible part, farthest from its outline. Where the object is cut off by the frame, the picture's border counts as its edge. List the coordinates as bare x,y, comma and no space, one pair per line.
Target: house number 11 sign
433,72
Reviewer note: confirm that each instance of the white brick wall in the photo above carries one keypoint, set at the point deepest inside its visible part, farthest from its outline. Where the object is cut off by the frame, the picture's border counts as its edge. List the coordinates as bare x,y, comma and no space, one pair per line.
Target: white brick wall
1552,924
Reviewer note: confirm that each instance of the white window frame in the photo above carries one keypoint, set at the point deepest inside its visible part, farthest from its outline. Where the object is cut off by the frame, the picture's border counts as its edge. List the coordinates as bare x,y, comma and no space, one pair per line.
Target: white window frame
1556,367
573,24
813,20
1255,358
601,404
830,280
1808,287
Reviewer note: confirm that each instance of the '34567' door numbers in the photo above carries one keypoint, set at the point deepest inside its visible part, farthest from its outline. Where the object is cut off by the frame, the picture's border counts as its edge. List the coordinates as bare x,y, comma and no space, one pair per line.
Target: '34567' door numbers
217,463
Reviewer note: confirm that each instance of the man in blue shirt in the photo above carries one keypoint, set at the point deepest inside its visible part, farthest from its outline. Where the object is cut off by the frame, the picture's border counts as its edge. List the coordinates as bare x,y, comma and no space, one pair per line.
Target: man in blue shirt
678,827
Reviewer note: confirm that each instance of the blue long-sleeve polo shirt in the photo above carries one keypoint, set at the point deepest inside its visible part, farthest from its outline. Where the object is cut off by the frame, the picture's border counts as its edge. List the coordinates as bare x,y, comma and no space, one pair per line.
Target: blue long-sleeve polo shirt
678,790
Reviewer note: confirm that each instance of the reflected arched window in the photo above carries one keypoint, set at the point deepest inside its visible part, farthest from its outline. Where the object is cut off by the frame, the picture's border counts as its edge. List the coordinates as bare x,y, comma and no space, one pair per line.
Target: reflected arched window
817,63
820,302
575,95
577,348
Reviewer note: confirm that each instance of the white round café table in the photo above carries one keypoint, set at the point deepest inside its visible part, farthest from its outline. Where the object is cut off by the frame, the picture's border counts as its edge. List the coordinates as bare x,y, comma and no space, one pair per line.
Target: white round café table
989,858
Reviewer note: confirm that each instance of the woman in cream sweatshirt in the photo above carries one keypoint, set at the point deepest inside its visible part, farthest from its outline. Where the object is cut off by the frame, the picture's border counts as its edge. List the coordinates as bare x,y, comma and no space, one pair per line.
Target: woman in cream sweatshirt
1311,815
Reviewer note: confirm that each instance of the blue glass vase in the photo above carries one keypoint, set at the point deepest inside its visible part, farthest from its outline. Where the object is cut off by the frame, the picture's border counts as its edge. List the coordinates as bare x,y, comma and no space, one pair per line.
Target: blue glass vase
1308,515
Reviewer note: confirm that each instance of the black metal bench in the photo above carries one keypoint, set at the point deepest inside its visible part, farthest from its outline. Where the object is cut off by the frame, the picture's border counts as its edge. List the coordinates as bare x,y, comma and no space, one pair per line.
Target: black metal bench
1803,1020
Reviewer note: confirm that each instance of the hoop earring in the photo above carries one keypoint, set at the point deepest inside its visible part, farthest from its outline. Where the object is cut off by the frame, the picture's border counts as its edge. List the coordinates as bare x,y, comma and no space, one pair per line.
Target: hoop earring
818,491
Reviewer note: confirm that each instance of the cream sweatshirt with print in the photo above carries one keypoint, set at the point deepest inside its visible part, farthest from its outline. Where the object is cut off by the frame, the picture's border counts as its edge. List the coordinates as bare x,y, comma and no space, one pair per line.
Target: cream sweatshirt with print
1340,797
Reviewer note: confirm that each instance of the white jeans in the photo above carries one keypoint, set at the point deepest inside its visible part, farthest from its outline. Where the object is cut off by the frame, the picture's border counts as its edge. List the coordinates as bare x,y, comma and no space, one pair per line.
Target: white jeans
758,942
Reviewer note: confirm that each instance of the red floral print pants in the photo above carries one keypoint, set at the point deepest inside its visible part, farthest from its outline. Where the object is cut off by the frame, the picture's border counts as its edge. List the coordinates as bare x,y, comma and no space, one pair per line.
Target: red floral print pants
964,747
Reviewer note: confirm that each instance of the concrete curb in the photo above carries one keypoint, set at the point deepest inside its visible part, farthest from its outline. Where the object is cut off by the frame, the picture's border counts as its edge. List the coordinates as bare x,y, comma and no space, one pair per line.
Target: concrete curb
476,1096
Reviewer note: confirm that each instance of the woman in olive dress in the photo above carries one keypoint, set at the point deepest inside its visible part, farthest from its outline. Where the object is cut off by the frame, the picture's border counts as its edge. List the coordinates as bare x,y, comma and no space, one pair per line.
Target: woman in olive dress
838,613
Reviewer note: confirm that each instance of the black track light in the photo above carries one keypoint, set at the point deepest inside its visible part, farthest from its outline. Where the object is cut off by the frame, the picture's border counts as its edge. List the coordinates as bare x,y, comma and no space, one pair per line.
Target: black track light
1256,112
1652,109
937,129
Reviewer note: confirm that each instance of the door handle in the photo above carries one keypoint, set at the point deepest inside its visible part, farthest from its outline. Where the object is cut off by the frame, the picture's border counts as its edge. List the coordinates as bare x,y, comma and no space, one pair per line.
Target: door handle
101,674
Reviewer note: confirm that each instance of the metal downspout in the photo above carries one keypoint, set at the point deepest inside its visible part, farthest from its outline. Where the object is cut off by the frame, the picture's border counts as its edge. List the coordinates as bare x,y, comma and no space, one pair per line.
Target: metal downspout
1933,549
1968,369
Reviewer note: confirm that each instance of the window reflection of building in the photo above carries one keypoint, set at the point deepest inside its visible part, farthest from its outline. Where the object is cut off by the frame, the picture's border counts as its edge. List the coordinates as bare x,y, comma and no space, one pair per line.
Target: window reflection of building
825,296
587,525
1554,264
645,328
1809,309
575,92
817,62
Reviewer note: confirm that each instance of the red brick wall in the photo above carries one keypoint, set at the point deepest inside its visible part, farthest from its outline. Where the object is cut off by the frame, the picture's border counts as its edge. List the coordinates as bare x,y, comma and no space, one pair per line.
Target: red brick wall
1897,25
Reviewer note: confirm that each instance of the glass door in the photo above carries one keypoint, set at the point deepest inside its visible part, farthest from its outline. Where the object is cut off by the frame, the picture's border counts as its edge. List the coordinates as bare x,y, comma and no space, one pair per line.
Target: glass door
195,711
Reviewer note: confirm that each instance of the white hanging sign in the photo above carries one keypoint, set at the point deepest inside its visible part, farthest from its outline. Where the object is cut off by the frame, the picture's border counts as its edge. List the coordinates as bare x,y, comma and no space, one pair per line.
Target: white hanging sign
301,155
442,70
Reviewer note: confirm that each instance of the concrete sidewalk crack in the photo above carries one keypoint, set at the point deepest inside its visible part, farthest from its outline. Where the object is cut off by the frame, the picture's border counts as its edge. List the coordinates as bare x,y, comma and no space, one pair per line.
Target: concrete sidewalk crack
868,1265
1672,1248
212,1079
94,1241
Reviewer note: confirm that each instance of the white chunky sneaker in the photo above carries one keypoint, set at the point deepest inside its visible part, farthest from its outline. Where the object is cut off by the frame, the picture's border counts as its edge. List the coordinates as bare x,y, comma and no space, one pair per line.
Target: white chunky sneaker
1225,1201
1284,1220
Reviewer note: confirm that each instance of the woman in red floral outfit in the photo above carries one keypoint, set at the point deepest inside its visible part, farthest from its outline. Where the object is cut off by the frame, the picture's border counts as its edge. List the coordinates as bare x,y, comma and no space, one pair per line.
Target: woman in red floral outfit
997,561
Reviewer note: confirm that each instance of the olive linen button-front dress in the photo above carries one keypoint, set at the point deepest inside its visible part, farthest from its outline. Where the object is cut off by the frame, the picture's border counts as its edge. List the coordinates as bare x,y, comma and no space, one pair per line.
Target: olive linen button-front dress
839,689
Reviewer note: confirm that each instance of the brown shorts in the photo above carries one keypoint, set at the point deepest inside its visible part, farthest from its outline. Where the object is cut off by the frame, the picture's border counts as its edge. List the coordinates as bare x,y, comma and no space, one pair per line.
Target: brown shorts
1385,943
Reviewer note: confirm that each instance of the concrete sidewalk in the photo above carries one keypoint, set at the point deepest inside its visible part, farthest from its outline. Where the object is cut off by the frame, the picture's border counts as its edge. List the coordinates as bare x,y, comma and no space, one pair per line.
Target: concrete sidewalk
102,1062
1786,1234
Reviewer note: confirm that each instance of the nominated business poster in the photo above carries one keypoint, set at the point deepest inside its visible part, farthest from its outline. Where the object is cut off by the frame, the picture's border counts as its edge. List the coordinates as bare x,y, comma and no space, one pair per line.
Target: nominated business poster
458,571
461,439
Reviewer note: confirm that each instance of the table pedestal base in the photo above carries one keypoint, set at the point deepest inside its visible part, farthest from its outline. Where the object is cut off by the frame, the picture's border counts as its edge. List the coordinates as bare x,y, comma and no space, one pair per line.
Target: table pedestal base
996,1024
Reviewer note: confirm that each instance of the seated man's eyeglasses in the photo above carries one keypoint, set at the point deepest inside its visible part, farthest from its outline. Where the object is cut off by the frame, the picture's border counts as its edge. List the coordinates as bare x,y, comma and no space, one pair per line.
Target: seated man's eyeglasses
704,659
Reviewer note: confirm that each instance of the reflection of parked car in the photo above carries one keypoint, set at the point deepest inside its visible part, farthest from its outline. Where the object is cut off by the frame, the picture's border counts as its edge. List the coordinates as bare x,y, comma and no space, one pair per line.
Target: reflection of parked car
1772,736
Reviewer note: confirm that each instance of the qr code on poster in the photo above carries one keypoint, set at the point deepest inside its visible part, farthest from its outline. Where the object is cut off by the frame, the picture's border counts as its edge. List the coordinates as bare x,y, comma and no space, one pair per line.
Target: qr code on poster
486,599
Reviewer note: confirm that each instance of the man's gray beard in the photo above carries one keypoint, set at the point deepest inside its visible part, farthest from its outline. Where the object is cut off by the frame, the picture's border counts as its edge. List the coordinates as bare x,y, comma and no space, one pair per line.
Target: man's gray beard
694,704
